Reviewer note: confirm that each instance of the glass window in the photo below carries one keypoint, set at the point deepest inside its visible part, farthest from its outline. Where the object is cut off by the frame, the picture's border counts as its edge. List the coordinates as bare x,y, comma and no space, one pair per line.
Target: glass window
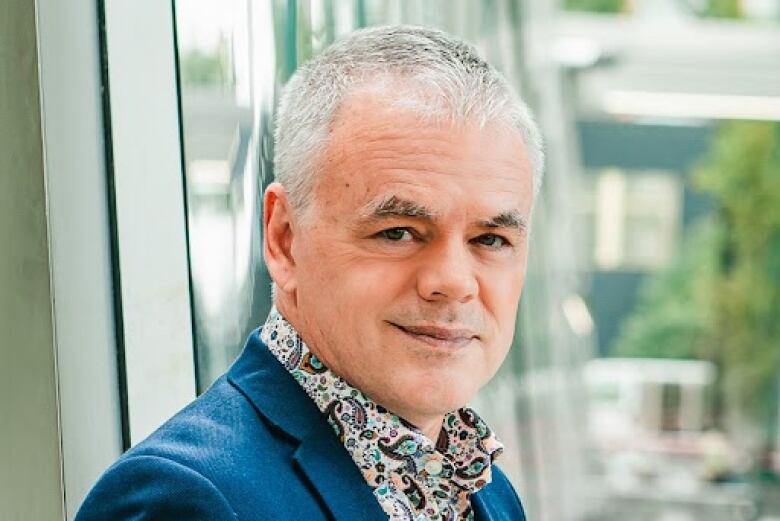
635,216
228,73
233,57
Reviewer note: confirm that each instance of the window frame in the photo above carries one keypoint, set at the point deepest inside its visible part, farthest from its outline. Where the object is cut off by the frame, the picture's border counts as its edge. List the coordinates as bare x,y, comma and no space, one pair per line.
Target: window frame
116,214
151,261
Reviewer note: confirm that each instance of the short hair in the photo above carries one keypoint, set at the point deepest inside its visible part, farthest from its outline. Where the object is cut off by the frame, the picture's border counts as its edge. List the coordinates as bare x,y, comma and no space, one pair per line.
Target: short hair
464,87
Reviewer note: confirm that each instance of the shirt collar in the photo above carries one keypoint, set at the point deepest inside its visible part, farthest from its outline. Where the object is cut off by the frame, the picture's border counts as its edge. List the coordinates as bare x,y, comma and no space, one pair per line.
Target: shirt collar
403,466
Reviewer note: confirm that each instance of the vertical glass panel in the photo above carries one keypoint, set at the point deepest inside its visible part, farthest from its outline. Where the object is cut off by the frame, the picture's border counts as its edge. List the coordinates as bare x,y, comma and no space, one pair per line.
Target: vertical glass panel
233,57
228,72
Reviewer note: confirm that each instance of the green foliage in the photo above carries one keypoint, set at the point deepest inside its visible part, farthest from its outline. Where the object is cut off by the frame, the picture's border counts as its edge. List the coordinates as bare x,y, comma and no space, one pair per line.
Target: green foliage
743,176
671,319
595,6
713,8
720,299
202,69
723,9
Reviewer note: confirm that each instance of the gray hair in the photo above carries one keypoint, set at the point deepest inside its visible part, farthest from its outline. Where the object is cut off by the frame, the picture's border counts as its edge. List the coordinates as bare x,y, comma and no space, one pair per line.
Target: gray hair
463,87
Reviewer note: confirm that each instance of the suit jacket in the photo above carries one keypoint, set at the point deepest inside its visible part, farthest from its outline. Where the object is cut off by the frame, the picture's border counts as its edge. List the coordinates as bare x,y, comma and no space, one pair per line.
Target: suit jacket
252,447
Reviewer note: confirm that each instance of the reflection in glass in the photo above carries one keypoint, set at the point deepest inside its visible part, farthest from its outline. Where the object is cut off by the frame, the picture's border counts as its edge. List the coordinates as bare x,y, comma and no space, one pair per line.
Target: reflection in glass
234,56
226,99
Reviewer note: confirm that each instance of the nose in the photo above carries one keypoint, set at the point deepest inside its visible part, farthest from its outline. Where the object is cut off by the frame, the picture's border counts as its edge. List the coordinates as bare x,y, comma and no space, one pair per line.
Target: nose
446,273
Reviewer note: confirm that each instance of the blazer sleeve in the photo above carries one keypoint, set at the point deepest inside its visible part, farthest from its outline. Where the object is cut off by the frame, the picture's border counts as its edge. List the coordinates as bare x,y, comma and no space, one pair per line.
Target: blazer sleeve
152,488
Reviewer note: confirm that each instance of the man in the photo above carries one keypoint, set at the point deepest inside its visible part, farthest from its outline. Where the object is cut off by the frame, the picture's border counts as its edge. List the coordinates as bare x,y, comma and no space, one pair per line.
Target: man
396,237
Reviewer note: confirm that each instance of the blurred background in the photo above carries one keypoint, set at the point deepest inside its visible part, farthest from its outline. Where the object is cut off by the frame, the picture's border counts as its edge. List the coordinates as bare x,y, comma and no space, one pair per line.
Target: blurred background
644,380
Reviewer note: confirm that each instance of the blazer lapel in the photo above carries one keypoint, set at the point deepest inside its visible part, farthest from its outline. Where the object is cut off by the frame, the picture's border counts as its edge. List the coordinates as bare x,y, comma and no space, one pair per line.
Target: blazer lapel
273,391
326,464
320,456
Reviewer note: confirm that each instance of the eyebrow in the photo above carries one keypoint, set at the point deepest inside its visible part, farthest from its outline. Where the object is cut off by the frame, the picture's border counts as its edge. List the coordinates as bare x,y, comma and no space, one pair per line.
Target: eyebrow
511,219
394,206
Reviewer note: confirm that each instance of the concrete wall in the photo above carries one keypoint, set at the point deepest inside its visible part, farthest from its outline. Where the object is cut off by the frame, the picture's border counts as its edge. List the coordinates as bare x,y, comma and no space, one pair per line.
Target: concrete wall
30,469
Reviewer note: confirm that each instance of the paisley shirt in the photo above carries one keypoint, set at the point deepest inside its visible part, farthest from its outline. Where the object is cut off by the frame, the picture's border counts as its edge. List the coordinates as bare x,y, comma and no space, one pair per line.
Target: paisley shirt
412,478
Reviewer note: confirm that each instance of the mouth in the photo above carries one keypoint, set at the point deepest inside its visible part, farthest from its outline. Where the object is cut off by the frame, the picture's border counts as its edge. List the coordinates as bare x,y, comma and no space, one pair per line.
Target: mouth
438,337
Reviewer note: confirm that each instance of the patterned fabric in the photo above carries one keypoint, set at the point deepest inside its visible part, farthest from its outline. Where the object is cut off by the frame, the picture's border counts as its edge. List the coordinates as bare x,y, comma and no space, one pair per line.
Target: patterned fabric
413,479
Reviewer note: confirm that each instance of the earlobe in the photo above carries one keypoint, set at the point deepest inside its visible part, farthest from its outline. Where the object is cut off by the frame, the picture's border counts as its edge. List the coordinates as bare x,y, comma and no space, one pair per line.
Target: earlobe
278,237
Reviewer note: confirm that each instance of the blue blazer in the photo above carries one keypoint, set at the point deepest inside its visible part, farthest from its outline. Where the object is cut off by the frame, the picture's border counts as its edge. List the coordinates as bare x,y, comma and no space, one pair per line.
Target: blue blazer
252,447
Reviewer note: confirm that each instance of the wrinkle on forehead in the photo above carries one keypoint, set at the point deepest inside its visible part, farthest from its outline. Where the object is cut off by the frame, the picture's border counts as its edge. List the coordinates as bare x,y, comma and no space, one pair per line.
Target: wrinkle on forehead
372,143
381,115
403,147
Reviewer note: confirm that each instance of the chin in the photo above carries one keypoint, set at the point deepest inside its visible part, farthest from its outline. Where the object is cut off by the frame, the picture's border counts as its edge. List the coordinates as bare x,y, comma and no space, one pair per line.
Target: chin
445,398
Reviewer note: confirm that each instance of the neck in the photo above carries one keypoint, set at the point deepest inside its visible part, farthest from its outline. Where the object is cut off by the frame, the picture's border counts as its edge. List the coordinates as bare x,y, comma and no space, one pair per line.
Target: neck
430,427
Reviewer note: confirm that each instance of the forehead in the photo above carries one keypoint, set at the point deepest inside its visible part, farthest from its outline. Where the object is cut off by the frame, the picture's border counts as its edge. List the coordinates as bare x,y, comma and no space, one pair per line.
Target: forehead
377,146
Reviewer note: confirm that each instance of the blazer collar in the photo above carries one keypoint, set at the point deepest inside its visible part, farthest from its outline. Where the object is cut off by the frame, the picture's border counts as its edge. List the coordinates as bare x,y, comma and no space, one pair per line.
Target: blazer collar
272,390
275,394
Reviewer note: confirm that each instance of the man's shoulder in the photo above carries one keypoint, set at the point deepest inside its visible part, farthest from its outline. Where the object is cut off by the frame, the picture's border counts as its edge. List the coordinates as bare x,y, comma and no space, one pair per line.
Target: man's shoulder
210,452
204,427
153,488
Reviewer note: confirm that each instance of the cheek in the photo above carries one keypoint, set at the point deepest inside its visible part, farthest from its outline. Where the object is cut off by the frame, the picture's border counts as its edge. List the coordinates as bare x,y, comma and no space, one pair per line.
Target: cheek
349,289
367,292
346,271
501,289
500,296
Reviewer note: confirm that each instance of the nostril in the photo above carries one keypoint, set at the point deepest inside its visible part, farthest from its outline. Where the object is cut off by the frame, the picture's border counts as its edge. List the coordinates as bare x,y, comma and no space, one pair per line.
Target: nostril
446,278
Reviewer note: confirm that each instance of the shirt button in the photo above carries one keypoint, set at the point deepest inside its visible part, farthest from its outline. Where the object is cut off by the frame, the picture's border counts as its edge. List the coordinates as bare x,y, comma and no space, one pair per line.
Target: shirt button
433,467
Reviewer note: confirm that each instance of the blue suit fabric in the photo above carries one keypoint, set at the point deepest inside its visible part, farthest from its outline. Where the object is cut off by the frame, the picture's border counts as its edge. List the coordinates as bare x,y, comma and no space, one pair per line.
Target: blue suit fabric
252,447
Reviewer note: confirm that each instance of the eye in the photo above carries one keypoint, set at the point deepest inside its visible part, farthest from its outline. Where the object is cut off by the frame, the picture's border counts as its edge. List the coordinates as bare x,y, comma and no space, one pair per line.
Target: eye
493,241
396,234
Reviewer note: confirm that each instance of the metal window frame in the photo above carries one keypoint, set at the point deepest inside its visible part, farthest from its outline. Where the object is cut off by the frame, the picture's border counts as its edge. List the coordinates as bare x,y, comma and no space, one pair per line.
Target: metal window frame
117,227
151,262
80,263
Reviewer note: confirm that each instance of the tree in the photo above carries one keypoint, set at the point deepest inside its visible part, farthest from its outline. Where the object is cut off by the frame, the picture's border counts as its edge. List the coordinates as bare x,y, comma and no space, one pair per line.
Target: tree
743,177
671,318
720,299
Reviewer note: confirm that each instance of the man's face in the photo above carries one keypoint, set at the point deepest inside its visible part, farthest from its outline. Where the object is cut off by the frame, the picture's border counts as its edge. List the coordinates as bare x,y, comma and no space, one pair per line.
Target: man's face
409,267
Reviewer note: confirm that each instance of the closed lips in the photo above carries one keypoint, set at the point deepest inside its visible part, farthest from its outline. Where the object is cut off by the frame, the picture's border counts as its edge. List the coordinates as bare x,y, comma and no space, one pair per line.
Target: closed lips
439,333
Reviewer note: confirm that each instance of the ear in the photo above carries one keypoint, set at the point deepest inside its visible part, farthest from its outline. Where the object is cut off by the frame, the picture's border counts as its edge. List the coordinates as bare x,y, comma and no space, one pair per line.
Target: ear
278,237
